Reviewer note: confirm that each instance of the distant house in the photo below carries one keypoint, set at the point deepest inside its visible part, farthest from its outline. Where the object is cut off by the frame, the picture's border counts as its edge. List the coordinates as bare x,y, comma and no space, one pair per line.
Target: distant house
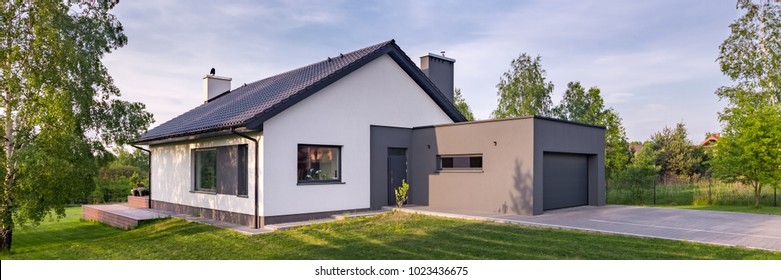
341,134
710,140
635,148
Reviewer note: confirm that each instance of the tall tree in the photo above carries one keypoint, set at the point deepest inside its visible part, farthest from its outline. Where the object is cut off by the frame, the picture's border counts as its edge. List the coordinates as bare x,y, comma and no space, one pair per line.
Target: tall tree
59,108
461,105
580,105
617,153
751,55
523,90
639,175
749,150
674,151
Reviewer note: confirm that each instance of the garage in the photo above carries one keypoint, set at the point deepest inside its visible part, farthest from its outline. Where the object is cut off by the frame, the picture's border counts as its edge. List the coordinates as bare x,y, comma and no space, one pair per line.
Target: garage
565,180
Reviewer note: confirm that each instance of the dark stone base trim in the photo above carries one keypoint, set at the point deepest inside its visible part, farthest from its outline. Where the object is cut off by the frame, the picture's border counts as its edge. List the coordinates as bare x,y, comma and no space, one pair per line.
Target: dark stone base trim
219,215
244,219
305,217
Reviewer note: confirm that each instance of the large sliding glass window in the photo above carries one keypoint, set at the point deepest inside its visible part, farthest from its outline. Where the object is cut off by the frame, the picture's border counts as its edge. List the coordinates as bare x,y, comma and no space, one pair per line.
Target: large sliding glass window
319,164
205,170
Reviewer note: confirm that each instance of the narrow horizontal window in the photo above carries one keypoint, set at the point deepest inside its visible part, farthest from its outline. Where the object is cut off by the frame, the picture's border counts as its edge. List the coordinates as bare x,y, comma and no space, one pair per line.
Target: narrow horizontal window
319,164
447,162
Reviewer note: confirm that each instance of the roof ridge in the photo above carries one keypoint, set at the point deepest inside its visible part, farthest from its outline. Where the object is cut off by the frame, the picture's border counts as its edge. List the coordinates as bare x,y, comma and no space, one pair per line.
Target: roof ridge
251,104
378,45
316,83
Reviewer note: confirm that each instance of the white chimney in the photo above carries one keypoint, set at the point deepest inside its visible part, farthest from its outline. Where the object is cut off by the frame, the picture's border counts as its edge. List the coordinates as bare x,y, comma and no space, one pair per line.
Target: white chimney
214,85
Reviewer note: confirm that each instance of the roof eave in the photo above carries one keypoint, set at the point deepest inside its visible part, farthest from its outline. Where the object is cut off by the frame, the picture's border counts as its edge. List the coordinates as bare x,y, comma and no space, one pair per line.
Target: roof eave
182,137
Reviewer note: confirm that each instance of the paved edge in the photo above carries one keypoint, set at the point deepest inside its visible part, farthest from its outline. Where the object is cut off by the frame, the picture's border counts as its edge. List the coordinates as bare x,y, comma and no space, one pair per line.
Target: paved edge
542,225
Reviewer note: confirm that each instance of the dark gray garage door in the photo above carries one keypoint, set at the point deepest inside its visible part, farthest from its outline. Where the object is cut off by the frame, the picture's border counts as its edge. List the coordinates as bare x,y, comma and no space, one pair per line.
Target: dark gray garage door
564,180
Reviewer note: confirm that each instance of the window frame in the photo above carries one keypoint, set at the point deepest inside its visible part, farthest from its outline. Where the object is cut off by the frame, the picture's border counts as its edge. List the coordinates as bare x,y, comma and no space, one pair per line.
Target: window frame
243,177
338,180
195,187
441,168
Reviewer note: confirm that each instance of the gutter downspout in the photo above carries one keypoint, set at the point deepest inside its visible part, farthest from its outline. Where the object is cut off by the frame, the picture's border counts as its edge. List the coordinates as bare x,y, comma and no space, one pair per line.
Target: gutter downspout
148,162
257,223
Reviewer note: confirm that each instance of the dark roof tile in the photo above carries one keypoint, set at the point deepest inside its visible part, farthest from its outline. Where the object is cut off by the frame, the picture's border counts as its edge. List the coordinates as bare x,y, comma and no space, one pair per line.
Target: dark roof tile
243,104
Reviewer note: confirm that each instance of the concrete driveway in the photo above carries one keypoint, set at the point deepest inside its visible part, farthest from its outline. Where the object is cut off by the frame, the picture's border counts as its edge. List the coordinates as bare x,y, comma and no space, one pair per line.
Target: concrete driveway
713,227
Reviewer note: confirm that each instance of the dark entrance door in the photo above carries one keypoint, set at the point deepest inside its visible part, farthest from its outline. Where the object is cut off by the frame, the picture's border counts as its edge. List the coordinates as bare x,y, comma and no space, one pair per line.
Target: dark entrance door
397,171
564,180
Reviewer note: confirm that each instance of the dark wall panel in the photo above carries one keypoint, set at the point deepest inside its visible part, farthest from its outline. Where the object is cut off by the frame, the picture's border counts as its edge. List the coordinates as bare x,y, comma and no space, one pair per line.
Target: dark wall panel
382,138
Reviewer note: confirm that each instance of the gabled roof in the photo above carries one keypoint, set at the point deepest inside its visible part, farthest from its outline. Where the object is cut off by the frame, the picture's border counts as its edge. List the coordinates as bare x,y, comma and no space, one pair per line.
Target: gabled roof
710,140
250,105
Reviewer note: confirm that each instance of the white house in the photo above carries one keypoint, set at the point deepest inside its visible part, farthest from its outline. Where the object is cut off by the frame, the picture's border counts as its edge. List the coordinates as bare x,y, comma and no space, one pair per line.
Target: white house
337,135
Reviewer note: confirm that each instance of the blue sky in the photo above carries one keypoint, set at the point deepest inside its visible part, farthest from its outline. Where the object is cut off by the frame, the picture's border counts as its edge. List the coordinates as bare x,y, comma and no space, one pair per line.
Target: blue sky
653,60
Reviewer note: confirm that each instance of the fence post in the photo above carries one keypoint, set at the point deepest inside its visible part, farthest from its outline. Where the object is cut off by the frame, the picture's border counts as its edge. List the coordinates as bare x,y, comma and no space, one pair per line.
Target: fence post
775,202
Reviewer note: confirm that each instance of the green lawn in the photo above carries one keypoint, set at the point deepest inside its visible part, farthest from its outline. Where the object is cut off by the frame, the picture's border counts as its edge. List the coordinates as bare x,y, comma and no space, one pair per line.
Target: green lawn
388,236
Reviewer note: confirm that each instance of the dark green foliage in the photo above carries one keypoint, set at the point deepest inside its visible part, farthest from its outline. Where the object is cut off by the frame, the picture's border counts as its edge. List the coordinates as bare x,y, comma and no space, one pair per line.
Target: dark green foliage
639,177
700,166
675,154
462,106
579,105
113,172
523,90
388,236
106,190
137,158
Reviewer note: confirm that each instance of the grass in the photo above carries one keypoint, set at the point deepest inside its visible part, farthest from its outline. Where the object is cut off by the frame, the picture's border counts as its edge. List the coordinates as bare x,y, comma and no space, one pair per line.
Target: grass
388,236
702,195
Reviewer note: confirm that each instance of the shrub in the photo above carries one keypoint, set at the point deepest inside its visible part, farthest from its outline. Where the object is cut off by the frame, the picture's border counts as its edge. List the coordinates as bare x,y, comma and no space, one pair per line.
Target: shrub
401,193
639,176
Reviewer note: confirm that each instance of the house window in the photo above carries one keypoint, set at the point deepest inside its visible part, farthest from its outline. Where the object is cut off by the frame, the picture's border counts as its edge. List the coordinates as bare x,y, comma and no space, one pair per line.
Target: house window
243,170
205,170
460,162
319,164
221,170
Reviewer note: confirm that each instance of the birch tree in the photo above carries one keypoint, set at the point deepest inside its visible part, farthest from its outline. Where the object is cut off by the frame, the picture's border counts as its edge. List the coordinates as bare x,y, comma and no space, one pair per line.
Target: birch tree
59,108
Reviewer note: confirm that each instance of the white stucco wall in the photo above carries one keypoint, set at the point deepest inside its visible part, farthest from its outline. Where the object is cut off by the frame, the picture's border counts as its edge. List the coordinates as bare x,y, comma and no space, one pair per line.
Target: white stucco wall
379,93
172,175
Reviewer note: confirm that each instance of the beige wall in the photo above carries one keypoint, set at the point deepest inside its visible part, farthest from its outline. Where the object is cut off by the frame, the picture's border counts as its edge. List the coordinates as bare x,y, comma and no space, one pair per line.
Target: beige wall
511,180
504,185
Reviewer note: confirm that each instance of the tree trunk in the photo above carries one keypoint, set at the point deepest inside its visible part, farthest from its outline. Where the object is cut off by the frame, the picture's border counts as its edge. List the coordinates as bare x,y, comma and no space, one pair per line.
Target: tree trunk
757,193
9,181
6,229
763,49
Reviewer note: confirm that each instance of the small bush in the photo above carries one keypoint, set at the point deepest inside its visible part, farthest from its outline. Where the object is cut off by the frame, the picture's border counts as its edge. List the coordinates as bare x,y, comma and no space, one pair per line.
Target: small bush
401,193
110,190
638,178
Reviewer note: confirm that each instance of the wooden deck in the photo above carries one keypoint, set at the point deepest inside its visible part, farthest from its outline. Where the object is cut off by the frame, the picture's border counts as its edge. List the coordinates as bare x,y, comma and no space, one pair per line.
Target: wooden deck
119,215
